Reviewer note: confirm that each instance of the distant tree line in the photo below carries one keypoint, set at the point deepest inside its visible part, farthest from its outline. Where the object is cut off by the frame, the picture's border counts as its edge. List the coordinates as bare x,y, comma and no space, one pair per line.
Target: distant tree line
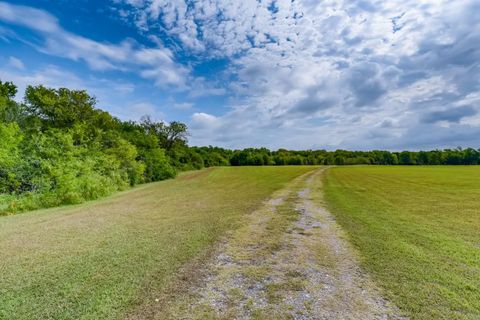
57,148
262,156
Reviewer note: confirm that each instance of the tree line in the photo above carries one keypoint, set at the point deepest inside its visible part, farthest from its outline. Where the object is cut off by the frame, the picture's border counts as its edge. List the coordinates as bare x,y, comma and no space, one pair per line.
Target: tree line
262,156
57,147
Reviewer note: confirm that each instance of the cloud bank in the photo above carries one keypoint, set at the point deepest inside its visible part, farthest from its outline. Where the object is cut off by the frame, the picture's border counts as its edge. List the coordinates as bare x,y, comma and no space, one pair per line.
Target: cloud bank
298,74
361,74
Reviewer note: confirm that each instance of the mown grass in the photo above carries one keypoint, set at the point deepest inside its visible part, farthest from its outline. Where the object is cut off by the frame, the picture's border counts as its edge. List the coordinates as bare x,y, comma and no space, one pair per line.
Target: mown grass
418,231
99,260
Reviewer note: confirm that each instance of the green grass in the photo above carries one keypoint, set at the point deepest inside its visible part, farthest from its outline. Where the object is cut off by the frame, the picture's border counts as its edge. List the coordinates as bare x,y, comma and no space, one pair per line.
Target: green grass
418,232
102,259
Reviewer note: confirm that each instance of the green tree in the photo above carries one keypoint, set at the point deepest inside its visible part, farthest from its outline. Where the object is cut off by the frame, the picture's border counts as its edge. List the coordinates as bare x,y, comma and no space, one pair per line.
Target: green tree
169,135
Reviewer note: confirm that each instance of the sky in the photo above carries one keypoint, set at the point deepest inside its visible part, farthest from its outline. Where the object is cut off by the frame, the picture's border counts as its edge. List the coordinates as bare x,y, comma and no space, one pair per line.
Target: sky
294,74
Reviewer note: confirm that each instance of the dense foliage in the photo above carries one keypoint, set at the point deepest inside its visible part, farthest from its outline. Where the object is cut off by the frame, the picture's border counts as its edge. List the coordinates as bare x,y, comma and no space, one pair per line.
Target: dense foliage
57,148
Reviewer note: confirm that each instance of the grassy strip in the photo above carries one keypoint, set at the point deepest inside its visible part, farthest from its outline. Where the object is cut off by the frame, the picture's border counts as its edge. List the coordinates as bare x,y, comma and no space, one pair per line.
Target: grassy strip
97,260
417,229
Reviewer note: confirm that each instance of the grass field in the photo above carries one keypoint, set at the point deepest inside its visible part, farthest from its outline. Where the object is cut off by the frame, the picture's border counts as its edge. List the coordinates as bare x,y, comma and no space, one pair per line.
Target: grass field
99,260
418,232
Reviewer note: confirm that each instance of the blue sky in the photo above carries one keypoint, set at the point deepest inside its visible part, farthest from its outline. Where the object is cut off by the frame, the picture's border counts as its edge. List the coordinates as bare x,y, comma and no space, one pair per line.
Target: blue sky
277,73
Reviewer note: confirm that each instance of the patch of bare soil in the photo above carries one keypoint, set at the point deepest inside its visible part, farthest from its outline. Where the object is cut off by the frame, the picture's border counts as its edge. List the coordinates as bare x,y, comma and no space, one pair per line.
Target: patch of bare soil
290,261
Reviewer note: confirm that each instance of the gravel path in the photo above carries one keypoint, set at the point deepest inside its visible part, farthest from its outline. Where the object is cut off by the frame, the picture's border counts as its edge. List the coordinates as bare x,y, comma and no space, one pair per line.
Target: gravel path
304,269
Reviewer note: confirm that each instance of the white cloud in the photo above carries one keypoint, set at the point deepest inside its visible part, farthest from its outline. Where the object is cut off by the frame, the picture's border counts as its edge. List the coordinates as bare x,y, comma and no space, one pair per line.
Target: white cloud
29,17
16,63
157,63
200,87
201,120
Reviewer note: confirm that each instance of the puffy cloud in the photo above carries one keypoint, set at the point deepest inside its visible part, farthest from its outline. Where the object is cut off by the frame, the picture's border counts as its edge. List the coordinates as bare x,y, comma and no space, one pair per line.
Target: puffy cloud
401,61
341,71
201,120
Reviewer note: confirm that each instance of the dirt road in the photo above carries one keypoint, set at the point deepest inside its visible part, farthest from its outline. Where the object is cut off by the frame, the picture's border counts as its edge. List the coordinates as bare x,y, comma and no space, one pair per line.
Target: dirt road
290,260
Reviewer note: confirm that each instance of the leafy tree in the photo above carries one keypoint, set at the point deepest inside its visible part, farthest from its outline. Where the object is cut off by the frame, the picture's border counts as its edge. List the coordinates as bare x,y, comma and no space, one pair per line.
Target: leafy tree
407,158
10,140
169,135
9,109
60,108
